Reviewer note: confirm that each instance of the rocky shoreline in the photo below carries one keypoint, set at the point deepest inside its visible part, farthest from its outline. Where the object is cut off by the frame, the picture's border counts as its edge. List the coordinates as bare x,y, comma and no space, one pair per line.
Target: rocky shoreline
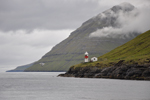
118,71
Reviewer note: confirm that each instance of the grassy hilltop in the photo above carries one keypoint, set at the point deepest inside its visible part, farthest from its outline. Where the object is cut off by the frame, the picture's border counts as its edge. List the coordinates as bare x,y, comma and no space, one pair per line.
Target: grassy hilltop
136,51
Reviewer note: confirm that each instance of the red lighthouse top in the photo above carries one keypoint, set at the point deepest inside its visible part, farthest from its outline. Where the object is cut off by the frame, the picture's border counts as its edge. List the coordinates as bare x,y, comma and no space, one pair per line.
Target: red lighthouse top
86,55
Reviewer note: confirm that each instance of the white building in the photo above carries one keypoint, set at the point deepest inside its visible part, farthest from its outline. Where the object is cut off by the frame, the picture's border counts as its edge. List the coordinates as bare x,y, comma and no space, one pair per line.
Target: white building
42,64
93,59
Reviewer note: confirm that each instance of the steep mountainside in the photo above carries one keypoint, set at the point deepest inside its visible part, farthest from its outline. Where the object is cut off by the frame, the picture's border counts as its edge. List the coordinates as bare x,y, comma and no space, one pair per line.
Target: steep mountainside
71,50
136,50
129,61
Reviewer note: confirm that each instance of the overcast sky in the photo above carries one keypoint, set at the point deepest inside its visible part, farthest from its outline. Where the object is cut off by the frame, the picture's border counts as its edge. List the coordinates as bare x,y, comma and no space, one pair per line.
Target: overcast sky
30,28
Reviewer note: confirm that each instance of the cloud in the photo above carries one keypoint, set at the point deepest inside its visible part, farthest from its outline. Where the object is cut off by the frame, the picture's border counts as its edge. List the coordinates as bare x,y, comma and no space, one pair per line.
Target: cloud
133,21
109,4
18,48
45,14
52,14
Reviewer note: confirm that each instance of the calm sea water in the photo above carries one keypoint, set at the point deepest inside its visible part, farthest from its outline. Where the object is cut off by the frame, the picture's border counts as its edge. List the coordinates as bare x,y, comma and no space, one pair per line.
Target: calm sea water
47,86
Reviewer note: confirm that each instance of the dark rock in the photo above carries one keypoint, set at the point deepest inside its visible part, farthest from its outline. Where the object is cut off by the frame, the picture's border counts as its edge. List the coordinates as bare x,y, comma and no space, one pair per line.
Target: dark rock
134,72
85,70
117,72
95,70
79,75
119,63
99,75
89,75
70,70
146,73
106,70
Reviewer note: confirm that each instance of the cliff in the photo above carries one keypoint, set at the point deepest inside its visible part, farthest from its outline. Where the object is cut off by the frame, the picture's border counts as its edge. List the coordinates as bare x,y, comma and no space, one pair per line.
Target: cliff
129,61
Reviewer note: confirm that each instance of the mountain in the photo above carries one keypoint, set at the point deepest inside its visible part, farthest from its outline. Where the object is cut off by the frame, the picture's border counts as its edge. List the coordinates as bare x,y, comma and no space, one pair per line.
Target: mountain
128,61
20,68
71,51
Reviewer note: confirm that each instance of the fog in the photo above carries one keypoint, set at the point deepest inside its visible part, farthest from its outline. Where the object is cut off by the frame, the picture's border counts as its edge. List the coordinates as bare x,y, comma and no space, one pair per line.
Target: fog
135,21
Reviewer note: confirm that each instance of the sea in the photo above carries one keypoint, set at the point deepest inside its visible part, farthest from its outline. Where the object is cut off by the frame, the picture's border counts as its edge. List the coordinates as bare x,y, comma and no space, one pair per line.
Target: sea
47,86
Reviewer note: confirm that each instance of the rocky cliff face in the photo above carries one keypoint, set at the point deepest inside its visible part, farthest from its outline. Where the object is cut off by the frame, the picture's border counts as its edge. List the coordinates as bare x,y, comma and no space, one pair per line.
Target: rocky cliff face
118,71
71,50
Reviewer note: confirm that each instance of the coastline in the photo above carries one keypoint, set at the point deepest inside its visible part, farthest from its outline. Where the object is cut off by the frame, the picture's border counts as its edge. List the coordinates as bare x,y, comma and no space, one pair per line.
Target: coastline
118,71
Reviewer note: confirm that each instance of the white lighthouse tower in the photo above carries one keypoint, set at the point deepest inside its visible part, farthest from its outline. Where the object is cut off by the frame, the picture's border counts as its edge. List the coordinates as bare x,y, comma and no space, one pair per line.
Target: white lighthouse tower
86,57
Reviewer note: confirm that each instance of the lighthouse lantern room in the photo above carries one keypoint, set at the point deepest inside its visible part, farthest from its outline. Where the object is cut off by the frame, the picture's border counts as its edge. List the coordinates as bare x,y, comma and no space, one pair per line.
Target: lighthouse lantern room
86,57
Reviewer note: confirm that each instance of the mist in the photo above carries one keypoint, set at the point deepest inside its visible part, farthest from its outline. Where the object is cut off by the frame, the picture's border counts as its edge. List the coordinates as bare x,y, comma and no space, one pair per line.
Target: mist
135,21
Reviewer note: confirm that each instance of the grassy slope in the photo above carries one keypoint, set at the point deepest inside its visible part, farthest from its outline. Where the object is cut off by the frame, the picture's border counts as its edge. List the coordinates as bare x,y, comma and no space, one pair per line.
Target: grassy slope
134,51
63,62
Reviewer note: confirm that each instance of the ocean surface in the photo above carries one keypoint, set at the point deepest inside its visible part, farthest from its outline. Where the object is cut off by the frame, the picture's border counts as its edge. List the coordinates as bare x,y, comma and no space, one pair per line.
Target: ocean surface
47,86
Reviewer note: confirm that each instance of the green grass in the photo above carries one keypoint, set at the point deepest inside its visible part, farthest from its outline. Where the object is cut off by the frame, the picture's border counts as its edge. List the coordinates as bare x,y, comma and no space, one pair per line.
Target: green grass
135,51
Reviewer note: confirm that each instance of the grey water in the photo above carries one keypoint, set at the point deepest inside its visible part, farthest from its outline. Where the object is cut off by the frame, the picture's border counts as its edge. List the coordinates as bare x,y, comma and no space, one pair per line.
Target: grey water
47,86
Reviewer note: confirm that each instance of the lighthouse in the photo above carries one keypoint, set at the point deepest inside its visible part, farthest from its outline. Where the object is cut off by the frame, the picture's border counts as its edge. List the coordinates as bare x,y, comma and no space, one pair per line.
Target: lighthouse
86,57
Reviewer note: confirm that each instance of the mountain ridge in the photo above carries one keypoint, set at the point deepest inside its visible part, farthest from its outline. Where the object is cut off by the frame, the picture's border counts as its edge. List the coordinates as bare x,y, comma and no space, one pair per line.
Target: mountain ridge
71,50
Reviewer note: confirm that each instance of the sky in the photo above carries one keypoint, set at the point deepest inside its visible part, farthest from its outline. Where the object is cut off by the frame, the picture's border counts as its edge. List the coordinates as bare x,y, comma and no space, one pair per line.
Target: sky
30,28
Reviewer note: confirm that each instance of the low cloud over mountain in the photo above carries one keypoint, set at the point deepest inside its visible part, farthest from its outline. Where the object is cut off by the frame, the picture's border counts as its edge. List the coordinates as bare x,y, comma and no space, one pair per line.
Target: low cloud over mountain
127,21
